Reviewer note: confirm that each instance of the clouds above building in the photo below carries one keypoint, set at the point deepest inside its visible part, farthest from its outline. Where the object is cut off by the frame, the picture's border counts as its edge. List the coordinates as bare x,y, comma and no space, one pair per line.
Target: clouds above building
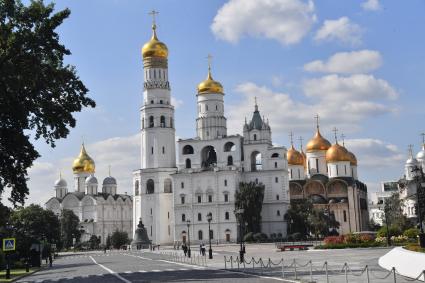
286,21
371,5
341,30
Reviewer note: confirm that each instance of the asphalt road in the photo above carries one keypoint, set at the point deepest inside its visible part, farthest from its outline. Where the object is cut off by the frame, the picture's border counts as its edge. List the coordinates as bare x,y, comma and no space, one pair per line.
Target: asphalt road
133,267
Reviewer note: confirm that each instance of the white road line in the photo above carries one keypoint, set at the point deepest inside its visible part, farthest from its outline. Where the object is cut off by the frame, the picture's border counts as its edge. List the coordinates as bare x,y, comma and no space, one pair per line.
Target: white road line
260,276
142,271
170,269
128,272
111,271
183,264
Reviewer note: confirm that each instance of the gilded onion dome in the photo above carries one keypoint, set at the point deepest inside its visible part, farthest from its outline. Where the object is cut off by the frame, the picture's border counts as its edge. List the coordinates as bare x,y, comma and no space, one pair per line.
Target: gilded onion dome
209,85
295,157
154,47
337,153
83,163
318,143
353,159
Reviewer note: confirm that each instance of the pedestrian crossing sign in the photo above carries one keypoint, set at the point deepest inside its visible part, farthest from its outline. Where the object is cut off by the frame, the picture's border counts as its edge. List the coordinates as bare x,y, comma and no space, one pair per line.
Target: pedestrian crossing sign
9,244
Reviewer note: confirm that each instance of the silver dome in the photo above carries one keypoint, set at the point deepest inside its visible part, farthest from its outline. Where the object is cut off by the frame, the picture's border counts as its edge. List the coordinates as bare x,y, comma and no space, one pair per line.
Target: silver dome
91,180
60,183
421,154
412,161
109,181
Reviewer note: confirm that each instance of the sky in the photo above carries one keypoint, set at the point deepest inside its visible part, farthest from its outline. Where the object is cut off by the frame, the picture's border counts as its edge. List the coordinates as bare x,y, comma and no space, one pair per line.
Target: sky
359,64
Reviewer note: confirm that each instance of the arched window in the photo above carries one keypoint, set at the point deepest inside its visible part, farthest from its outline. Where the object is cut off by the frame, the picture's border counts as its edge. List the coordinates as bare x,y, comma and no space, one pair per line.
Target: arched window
171,122
163,150
227,215
199,217
277,197
278,213
211,234
255,137
256,161
225,183
136,188
209,157
150,186
183,217
151,124
168,186
200,235
188,163
274,155
162,122
151,101
229,160
229,146
161,102
187,149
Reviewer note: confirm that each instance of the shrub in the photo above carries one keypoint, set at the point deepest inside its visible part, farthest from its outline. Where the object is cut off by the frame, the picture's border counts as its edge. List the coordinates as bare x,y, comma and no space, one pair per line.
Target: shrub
411,233
399,239
273,236
331,240
248,237
296,236
393,231
257,237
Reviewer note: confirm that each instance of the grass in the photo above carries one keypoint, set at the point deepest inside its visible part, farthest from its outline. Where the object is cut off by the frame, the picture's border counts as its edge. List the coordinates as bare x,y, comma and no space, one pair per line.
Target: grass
14,273
415,248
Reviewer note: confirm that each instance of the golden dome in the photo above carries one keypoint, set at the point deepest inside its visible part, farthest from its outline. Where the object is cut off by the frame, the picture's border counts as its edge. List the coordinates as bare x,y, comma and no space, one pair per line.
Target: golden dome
337,153
353,159
154,47
318,143
209,85
295,157
83,163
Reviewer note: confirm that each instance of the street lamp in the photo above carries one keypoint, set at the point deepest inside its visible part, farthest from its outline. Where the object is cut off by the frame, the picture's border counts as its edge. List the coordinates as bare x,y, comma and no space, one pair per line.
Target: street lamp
384,209
188,237
239,212
209,218
420,196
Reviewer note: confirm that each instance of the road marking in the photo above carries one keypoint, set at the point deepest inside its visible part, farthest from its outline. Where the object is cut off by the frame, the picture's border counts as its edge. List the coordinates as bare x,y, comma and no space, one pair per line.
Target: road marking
183,264
260,276
128,272
142,271
111,271
156,270
145,258
170,269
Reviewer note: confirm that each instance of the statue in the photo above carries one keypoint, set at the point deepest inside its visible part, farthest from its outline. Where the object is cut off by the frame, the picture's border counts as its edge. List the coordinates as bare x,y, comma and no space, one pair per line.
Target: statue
141,239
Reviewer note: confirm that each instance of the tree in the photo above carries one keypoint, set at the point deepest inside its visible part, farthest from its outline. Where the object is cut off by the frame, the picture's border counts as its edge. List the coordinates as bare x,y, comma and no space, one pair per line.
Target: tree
69,223
108,241
94,242
39,93
297,216
320,222
119,238
33,224
393,212
250,198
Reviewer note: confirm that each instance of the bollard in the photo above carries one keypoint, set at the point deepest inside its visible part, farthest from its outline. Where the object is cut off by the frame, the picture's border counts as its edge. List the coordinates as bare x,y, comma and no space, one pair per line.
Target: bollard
394,274
261,265
225,263
253,264
283,272
231,262
238,262
295,270
367,274
311,271
346,274
326,271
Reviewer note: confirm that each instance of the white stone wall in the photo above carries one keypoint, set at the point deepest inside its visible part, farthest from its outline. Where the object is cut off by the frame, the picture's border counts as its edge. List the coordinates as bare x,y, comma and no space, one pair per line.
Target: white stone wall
312,164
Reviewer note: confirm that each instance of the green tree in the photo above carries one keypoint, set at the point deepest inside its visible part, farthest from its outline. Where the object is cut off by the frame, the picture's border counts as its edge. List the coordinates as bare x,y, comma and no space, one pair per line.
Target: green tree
94,242
39,93
108,242
33,224
393,212
250,198
69,223
320,222
119,238
297,216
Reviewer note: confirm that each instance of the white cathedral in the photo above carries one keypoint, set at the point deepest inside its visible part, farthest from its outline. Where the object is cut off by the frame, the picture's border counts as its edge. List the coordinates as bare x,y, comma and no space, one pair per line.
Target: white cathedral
173,199
100,212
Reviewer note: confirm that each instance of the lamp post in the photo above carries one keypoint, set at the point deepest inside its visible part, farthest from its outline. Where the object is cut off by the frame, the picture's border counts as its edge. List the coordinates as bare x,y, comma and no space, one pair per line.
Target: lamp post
209,218
384,209
239,212
420,197
188,237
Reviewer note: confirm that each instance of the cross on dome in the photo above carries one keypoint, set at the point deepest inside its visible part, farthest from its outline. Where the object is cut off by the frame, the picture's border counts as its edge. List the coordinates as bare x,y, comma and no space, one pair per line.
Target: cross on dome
291,136
317,120
410,150
153,13
335,130
300,139
343,138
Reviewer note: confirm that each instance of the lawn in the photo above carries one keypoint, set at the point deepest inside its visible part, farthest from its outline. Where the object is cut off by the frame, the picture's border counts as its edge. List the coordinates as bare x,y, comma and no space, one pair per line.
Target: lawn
15,273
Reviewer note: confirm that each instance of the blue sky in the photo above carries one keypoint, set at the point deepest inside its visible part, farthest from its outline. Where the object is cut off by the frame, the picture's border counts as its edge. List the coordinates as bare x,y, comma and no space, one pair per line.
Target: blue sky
359,64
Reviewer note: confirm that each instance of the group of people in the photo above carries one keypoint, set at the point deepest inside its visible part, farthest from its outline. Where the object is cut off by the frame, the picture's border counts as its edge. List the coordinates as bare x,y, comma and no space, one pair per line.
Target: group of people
185,249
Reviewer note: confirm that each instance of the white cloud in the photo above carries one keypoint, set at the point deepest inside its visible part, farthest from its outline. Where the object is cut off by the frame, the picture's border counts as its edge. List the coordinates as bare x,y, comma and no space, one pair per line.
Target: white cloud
177,103
371,5
362,61
341,30
340,101
286,21
375,153
122,153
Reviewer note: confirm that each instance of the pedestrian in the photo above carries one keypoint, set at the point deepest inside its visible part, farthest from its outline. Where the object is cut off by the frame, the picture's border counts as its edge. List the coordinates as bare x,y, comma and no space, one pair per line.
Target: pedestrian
50,259
203,249
184,248
200,249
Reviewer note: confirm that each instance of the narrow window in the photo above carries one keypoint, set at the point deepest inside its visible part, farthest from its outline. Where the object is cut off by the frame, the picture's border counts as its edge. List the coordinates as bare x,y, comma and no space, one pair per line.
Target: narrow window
199,217
162,122
151,230
188,163
200,235
151,122
230,160
143,122
210,198
226,198
225,183
278,213
337,170
168,215
299,174
169,230
277,197
317,165
345,216
151,211
154,73
216,107
199,199
290,173
276,179
255,137
152,150
182,199
161,102
182,185
183,217
211,234
345,169
206,107
256,181
226,215
163,150
275,165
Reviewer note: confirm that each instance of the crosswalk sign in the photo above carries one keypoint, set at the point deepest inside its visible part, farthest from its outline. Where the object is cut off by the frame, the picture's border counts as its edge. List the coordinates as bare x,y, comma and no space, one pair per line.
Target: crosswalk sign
9,244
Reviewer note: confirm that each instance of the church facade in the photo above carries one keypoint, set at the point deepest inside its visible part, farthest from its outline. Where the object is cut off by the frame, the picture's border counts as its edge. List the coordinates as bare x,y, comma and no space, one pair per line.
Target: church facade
174,199
100,212
327,175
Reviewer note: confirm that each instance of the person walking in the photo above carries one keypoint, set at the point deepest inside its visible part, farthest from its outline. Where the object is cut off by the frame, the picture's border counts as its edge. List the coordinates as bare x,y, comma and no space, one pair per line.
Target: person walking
184,247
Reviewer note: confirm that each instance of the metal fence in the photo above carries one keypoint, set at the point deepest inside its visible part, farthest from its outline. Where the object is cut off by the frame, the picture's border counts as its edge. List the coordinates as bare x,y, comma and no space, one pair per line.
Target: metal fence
291,269
176,257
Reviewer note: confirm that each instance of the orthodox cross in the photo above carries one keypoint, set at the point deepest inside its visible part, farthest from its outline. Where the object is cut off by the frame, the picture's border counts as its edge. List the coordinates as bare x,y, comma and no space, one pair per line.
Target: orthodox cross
410,150
335,130
317,120
109,170
153,13
209,57
300,138
343,139
291,136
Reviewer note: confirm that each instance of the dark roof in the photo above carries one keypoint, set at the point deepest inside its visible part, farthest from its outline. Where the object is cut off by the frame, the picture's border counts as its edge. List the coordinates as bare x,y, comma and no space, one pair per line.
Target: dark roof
256,121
